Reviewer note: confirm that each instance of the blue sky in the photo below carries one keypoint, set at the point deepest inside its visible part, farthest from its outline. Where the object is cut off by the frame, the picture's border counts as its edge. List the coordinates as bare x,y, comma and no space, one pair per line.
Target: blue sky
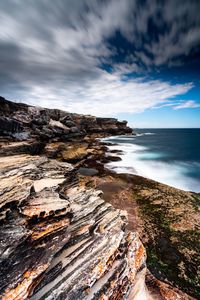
131,59
164,118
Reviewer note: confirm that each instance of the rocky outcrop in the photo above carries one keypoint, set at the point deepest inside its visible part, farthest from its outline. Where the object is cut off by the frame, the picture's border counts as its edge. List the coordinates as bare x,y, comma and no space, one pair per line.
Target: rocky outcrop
168,223
22,122
59,240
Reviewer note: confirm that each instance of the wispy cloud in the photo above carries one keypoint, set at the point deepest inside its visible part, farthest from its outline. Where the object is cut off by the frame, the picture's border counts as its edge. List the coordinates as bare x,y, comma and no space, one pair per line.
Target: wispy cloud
186,104
178,104
108,95
165,105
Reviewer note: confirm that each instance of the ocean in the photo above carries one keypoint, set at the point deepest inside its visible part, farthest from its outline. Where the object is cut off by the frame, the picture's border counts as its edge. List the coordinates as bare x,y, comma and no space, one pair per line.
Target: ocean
170,156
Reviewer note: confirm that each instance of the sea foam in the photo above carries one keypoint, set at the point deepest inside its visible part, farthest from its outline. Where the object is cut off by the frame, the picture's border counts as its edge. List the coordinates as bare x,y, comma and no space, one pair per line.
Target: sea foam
138,160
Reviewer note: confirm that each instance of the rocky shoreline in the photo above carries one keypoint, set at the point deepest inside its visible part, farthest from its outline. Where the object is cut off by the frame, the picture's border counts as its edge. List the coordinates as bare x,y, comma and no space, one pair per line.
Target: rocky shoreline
167,220
61,238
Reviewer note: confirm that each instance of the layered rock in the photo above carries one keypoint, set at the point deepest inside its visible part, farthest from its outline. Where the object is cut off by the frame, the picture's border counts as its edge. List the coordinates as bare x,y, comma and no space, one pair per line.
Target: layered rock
59,240
23,122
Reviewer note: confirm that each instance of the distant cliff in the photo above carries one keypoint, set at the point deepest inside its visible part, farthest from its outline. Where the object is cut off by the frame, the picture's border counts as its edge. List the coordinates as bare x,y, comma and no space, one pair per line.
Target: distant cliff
22,122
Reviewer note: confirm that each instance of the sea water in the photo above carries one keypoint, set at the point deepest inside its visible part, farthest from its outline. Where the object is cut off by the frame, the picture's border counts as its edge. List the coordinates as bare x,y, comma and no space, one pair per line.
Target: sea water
170,156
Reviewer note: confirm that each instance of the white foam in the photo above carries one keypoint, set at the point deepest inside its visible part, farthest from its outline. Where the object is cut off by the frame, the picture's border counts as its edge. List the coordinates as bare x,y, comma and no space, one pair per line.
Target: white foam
145,133
136,161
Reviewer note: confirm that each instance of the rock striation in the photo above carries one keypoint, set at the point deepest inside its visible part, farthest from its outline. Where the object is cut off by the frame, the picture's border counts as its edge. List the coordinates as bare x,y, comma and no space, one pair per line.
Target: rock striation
21,122
59,240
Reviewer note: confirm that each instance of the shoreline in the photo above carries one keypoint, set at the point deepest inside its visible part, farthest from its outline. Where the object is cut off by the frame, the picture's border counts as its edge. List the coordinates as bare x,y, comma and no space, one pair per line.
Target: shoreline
161,227
171,240
53,172
131,161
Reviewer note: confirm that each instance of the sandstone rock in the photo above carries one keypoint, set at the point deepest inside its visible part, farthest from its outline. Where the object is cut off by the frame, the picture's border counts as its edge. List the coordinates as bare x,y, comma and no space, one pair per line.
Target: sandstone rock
74,152
59,240
47,124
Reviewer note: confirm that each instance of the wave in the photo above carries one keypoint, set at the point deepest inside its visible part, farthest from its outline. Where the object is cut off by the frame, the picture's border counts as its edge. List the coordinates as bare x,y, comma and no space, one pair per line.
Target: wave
145,133
126,147
135,160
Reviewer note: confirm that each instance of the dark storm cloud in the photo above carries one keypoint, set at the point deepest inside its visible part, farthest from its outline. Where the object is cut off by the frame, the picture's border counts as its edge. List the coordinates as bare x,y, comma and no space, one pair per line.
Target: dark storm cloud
57,49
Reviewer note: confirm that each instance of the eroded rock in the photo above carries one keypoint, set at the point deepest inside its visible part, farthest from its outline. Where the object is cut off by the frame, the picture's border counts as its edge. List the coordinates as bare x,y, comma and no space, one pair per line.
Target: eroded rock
59,240
21,121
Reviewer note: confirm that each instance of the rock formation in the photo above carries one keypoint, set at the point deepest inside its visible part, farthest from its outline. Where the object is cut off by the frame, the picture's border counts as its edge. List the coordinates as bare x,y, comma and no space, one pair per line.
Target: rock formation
22,122
59,240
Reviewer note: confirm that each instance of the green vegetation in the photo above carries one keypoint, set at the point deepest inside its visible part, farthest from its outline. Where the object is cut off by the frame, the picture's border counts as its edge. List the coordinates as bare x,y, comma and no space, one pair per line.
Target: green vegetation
172,253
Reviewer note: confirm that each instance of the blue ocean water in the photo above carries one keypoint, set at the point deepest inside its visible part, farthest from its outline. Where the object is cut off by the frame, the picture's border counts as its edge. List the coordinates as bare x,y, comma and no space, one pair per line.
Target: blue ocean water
170,156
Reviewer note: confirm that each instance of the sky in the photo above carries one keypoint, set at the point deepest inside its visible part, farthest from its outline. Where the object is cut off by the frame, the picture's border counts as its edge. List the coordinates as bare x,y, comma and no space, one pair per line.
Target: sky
137,60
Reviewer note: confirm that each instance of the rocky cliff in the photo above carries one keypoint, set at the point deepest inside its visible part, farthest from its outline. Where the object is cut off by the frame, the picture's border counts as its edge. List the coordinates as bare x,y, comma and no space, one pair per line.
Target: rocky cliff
23,122
59,239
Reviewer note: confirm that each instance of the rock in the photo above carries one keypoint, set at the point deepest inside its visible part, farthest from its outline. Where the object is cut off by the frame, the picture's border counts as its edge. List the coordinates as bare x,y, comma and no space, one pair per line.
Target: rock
74,152
74,129
161,290
48,124
9,126
88,171
13,148
68,121
41,120
59,240
110,158
170,232
8,108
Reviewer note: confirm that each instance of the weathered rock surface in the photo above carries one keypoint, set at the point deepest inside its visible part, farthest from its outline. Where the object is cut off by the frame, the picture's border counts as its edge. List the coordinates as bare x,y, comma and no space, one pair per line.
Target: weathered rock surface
59,240
22,122
171,232
168,222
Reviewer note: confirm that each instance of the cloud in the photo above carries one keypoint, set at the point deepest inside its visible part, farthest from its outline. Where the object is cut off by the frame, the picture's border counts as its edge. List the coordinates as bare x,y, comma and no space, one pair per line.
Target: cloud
178,104
186,104
52,52
107,95
57,40
165,105
166,31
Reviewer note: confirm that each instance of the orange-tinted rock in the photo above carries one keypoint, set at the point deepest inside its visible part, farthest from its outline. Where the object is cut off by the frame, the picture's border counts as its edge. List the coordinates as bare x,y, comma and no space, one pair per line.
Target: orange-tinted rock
59,240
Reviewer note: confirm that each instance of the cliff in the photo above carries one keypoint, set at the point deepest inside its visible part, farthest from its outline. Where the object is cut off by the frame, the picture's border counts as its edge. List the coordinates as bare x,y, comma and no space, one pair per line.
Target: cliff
22,122
60,237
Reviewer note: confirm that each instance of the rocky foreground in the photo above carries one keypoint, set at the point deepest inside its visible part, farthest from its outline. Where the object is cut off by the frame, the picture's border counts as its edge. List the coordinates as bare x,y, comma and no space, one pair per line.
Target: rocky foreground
60,237
59,240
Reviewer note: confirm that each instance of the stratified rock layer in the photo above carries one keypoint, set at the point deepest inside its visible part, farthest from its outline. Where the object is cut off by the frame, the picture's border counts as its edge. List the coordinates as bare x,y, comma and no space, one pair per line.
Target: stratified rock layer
59,240
22,122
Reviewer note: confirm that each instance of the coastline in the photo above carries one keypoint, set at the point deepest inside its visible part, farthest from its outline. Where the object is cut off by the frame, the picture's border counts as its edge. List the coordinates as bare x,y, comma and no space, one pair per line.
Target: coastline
145,155
56,156
166,218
